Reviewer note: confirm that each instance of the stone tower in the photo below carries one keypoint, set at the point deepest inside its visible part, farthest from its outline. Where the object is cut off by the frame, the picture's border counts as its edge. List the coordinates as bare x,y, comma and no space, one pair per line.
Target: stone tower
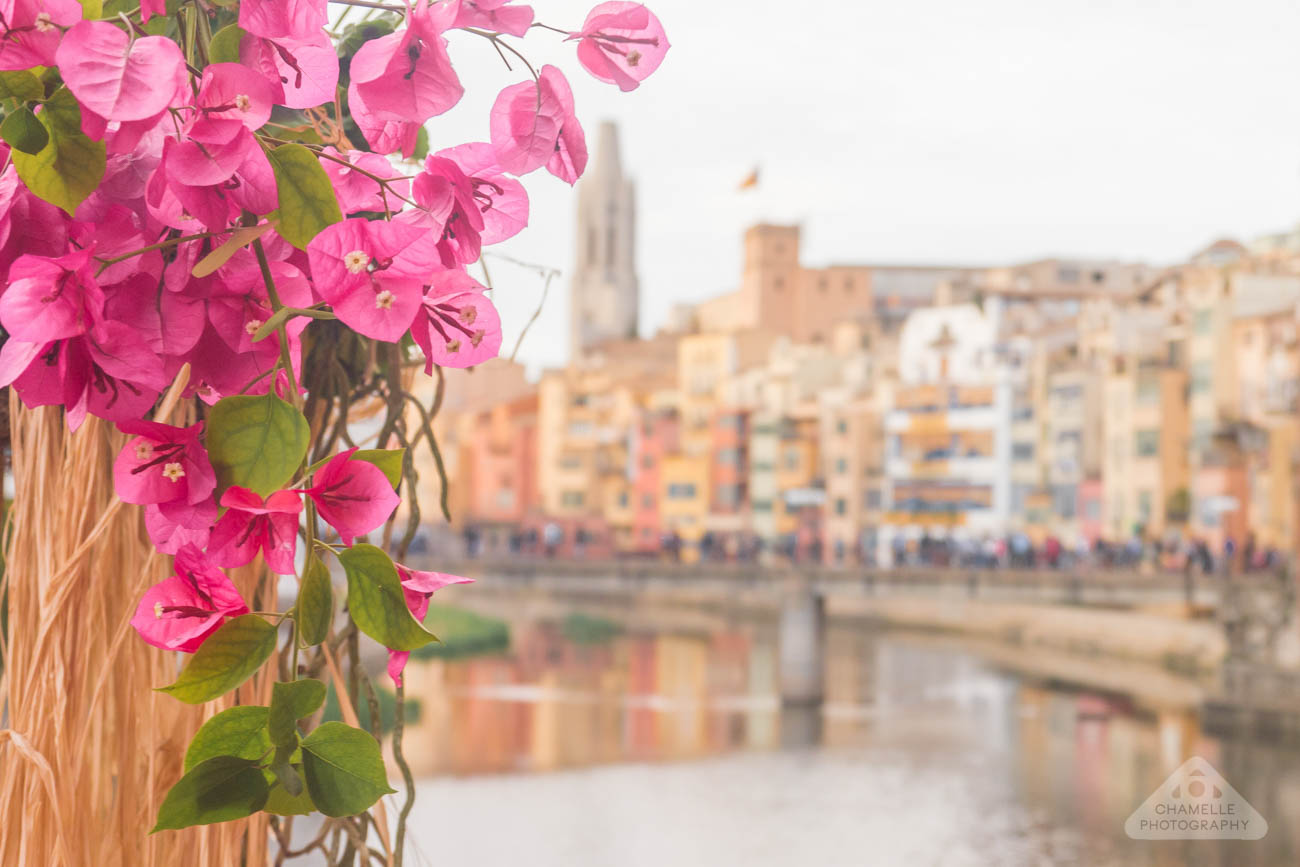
604,294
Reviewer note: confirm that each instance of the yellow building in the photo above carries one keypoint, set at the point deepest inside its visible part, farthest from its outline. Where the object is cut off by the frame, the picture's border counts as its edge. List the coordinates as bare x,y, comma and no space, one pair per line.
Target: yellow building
684,499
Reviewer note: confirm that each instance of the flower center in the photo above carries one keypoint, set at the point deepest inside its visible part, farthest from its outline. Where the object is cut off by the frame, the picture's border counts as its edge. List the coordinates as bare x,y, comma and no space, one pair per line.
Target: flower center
384,300
469,314
356,261
157,611
252,325
242,102
633,57
143,452
44,23
453,346
174,471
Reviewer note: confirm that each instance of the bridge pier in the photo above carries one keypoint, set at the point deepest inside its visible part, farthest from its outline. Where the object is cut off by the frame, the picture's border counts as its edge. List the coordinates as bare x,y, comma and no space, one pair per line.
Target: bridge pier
802,641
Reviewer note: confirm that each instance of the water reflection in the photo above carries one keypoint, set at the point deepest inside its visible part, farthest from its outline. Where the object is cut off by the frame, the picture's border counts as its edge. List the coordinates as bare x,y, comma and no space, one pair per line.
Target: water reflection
924,753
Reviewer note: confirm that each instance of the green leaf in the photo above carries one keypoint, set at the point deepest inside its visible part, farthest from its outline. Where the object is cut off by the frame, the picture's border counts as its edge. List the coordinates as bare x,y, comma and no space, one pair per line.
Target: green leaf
224,47
344,769
388,460
285,774
307,200
70,166
228,658
21,85
281,803
315,602
376,602
239,732
421,149
23,131
291,701
256,441
215,790
92,9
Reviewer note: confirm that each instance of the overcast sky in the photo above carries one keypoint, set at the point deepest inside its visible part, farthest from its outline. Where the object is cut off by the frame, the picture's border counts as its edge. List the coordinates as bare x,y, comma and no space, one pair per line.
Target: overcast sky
947,131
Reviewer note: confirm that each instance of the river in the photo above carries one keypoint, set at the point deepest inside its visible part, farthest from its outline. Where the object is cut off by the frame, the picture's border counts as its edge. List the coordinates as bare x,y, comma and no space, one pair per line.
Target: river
665,746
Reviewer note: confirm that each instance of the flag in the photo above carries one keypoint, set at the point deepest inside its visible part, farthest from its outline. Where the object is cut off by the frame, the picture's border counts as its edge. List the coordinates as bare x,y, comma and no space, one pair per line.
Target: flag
750,182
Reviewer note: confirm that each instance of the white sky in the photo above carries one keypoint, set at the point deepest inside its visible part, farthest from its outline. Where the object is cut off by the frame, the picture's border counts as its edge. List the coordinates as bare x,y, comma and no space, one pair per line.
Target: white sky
963,131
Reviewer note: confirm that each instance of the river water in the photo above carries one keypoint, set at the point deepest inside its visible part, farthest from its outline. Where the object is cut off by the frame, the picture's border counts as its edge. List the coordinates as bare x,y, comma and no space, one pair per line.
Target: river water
666,747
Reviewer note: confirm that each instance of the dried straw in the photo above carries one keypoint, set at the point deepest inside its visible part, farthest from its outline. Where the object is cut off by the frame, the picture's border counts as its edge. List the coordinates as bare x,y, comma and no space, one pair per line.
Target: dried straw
90,749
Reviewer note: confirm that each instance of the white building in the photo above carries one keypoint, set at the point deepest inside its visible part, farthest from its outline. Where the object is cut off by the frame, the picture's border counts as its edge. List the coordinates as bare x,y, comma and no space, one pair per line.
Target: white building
948,427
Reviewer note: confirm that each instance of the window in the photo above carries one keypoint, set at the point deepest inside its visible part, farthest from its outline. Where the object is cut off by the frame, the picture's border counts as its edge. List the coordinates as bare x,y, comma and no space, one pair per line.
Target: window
647,462
729,457
1203,321
727,496
762,505
872,499
571,462
792,459
762,466
1148,390
1147,443
573,499
681,491
1067,275
841,466
1202,377
622,499
647,501
1144,505
842,427
1022,451
841,506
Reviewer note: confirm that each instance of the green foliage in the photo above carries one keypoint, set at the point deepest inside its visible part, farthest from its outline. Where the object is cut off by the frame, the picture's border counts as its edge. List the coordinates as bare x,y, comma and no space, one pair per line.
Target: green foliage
281,803
224,47
307,200
23,131
315,611
215,790
388,460
21,85
256,441
238,731
463,633
227,658
291,701
71,165
376,601
344,769
585,629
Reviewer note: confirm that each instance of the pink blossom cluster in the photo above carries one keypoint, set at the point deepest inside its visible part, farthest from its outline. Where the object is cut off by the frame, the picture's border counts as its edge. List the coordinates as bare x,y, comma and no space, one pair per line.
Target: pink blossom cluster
103,306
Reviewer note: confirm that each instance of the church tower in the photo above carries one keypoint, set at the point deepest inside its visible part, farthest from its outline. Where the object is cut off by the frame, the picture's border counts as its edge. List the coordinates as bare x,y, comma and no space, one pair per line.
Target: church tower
604,294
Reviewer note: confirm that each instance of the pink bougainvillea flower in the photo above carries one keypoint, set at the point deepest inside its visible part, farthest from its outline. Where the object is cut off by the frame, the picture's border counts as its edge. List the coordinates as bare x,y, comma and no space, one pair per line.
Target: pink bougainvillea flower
51,299
372,273
302,73
150,8
181,611
407,76
501,198
110,372
118,77
384,136
533,125
231,98
251,525
361,192
164,465
417,587
621,43
496,15
31,29
283,19
352,496
457,325
170,536
448,206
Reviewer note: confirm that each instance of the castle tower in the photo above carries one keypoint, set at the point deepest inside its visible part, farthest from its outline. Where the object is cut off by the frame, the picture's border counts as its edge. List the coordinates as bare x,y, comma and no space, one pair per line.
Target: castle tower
604,294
